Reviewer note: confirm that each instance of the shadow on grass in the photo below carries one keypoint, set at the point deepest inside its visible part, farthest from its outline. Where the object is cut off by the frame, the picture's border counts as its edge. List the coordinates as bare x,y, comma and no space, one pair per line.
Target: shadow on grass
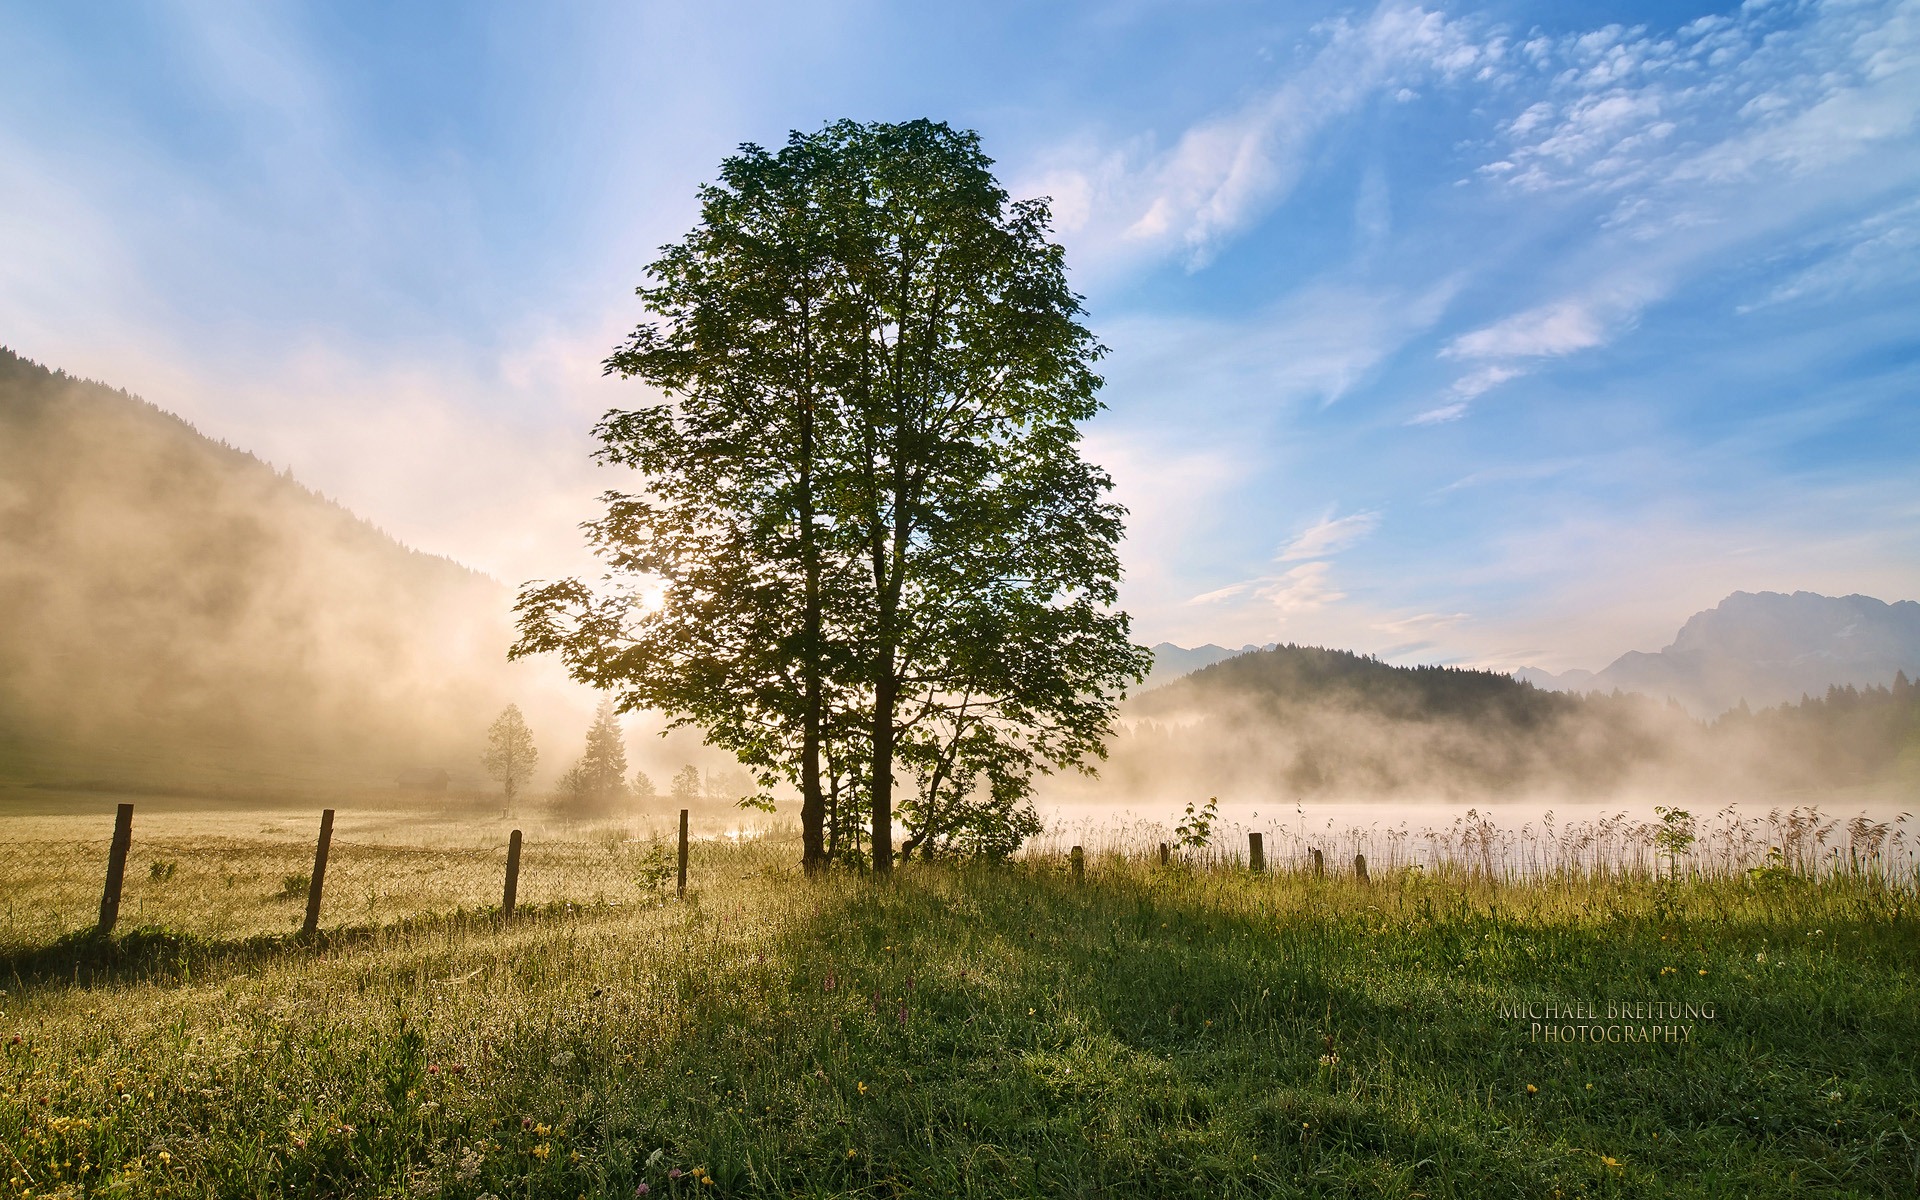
1143,1031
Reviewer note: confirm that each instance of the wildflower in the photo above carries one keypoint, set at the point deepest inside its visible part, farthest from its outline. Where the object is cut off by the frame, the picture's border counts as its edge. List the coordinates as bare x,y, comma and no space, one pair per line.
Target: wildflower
433,1068
903,1010
526,1122
675,1173
1532,1090
1029,1012
1703,970
542,1150
863,1088
851,1152
1608,1160
641,1189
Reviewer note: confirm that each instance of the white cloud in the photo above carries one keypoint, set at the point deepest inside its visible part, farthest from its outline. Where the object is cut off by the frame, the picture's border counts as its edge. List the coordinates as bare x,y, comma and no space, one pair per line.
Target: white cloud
1552,329
1881,251
1440,415
1329,535
1223,173
1420,624
1303,589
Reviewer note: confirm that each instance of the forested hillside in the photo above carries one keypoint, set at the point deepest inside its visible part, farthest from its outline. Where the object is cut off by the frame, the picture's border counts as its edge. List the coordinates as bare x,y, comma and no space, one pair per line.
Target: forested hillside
174,612
1299,720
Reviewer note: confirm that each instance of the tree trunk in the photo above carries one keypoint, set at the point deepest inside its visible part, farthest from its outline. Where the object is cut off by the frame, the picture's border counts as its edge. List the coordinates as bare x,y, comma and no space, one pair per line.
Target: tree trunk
884,699
813,851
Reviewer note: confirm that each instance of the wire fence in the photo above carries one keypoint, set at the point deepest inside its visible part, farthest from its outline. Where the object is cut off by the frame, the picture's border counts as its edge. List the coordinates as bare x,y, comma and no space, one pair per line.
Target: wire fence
211,878
55,880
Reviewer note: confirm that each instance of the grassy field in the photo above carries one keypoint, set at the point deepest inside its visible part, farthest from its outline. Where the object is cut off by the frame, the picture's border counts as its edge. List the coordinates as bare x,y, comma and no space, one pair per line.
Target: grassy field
236,872
991,1031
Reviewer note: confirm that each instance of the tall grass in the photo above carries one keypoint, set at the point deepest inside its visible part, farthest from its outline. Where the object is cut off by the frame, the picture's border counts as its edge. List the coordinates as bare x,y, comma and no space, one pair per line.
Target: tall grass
992,1031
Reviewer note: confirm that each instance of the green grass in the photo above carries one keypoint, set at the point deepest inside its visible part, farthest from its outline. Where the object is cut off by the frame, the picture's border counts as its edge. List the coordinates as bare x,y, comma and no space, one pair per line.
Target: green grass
988,1032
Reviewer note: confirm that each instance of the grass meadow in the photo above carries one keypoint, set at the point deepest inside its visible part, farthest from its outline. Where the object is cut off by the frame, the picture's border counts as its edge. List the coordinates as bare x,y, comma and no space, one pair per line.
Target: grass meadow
1186,1030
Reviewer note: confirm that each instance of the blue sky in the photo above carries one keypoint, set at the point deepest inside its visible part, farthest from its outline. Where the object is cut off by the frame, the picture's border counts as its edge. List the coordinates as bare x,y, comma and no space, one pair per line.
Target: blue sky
1501,334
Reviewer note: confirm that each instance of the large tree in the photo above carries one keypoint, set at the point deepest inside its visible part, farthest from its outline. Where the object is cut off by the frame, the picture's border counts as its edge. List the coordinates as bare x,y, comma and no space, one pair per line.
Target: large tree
864,537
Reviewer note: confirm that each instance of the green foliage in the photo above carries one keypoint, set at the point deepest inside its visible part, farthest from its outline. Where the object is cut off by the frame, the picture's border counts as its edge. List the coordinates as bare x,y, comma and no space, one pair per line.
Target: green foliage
686,785
1675,835
294,884
1195,830
161,870
864,529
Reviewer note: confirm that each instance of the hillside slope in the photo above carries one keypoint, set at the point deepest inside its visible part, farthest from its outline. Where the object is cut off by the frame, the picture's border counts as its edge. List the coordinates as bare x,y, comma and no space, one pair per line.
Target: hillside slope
173,611
1302,720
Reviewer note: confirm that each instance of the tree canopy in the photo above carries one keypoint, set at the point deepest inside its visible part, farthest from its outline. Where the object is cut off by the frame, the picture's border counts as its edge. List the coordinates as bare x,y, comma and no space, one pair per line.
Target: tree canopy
864,540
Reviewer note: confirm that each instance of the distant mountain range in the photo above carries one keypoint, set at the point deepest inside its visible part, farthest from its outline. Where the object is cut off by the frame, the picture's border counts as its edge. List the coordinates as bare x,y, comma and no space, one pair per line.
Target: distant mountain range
1763,648
1170,662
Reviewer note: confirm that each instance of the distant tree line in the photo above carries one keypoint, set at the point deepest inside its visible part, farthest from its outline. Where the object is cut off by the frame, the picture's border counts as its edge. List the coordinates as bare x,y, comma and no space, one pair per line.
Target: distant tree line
1303,721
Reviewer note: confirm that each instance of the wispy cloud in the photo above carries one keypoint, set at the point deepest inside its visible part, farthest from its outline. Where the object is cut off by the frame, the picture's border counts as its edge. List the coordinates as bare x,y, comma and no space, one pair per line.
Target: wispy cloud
1329,535
1441,415
1226,171
1550,330
1302,589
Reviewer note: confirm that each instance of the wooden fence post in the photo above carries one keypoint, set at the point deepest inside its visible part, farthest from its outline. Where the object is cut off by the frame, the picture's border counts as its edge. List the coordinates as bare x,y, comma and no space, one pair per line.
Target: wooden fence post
1360,867
116,868
1319,865
1256,852
1166,854
513,875
683,852
319,881
1078,858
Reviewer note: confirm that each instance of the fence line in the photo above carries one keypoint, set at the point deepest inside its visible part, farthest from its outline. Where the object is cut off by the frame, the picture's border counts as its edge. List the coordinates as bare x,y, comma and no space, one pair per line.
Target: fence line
228,886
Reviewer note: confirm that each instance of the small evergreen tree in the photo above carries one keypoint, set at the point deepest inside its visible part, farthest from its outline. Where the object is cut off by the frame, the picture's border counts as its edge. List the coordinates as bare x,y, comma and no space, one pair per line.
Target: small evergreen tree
599,780
510,755
643,787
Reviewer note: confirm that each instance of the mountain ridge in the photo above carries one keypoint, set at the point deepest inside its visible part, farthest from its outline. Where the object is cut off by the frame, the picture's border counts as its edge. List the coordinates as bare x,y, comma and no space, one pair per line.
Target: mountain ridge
1763,648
